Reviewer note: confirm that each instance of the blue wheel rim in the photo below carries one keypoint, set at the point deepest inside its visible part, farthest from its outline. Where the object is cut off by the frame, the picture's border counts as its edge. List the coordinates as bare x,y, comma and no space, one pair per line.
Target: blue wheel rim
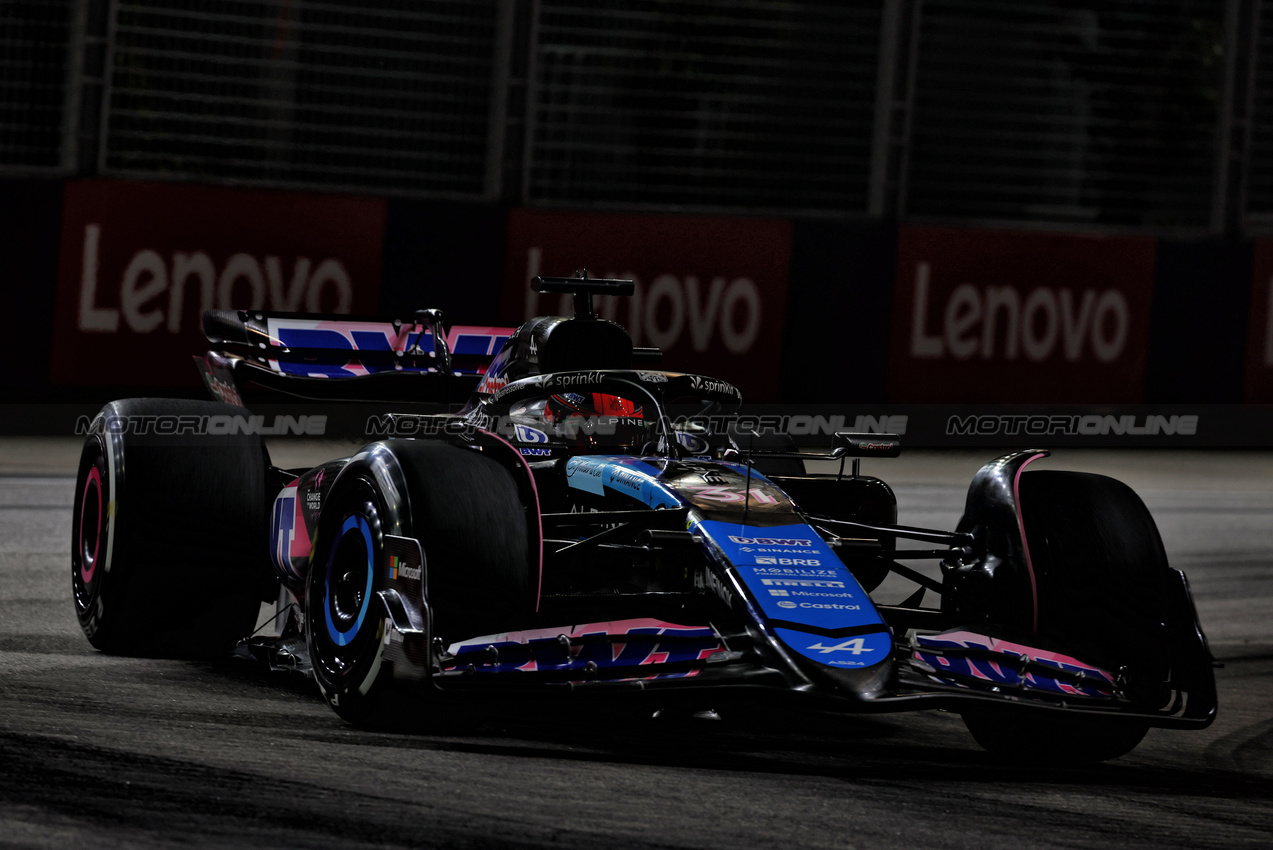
346,637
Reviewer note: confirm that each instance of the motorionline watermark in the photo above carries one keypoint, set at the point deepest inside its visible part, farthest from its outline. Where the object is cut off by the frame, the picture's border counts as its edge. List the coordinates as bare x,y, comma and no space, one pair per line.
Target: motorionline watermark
531,430
517,428
601,427
203,425
791,424
1085,425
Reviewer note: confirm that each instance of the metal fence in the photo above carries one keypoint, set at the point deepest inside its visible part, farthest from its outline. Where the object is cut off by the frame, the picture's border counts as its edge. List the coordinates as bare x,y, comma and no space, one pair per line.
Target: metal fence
1143,114
1080,112
1258,196
379,96
35,52
761,105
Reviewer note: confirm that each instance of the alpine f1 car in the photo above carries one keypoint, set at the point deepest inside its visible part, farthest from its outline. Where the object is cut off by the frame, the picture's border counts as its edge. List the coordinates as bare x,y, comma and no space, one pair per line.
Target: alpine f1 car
566,535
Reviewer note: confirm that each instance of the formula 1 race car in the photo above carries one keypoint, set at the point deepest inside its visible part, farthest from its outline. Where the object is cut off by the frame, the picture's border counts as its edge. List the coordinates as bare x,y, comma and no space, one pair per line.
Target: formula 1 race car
567,534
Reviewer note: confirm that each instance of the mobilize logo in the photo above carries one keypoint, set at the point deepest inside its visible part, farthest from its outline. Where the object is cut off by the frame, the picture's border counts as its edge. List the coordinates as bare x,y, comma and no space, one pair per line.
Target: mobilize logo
999,322
791,571
152,289
216,425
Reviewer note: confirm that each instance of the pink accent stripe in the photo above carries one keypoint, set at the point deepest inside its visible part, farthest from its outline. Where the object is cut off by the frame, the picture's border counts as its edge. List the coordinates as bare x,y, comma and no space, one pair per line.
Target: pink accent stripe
477,330
1025,546
996,645
539,588
95,480
611,627
301,544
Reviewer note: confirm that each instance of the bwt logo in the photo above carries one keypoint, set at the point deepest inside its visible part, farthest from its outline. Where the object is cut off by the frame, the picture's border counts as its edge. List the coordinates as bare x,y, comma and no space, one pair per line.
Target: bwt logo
769,541
152,289
1001,322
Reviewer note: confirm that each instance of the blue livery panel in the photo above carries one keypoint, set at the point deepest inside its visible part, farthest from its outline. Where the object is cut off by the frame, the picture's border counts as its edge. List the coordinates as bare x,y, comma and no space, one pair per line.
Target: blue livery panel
859,651
796,579
628,476
791,573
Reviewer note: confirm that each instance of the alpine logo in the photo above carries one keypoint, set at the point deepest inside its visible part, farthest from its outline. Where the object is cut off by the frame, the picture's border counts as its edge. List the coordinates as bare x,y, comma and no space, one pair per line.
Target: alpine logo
857,646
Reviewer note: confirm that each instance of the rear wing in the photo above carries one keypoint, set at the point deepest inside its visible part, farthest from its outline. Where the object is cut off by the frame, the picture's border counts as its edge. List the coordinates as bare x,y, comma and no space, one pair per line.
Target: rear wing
355,358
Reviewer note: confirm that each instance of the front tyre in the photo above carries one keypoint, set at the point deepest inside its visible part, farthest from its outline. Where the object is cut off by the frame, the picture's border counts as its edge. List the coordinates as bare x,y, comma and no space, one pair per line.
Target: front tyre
1101,574
1030,738
459,514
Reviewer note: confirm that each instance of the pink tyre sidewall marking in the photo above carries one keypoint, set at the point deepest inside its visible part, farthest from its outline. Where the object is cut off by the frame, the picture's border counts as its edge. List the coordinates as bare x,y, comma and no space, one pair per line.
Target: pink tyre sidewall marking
94,481
1025,546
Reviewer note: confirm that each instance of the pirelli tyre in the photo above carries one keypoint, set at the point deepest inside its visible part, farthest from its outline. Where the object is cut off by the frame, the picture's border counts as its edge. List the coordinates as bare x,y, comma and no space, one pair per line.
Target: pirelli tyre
1102,583
441,529
167,537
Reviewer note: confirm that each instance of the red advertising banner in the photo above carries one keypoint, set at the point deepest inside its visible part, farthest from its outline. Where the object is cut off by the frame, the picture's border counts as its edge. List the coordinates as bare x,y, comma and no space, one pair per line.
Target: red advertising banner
1259,349
711,292
993,317
140,262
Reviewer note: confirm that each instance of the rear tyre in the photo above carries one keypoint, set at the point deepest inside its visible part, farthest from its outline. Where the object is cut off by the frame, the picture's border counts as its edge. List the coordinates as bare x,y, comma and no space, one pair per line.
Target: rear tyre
168,535
1101,574
465,511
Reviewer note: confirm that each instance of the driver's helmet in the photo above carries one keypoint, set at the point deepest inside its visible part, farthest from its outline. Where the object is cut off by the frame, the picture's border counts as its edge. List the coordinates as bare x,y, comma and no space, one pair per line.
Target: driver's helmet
564,405
598,422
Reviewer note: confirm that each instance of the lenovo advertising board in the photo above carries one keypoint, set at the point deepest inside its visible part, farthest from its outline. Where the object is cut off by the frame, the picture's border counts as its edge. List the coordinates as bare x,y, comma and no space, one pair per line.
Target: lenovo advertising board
140,262
710,292
983,316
